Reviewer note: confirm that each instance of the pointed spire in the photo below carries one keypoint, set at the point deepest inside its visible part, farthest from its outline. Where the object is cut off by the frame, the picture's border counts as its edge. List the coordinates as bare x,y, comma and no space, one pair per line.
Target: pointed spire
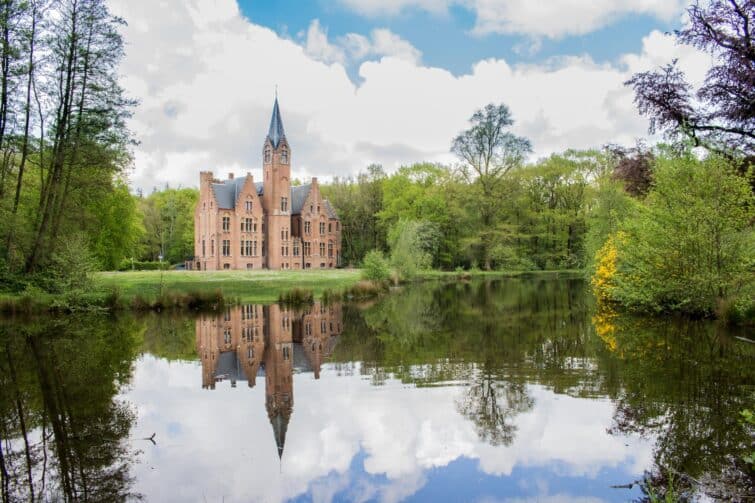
276,133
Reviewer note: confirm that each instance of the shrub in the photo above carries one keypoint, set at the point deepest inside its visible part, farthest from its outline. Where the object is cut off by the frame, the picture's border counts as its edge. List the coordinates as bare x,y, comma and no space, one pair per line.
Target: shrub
408,255
367,289
296,297
686,247
70,270
375,266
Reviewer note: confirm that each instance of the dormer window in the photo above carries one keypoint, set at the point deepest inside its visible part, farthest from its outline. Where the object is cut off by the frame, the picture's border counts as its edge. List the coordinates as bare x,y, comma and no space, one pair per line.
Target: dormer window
268,154
284,155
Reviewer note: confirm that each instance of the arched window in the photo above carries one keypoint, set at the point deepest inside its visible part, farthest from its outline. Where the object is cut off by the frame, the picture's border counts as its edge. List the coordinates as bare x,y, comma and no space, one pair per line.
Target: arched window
284,155
268,154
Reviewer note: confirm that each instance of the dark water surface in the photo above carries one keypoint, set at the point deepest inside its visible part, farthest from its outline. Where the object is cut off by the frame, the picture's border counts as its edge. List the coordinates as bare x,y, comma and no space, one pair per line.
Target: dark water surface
486,391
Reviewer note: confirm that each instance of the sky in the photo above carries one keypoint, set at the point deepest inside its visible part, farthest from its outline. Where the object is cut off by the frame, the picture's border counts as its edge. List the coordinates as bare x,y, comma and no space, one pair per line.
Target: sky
380,81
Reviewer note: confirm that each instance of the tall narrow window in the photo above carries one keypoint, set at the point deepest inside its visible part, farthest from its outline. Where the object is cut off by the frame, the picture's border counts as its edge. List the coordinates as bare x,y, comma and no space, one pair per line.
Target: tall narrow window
322,249
226,247
284,155
248,206
203,250
284,204
268,154
226,224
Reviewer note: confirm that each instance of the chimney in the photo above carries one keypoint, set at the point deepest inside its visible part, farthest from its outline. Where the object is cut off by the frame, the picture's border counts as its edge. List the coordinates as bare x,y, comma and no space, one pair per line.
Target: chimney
230,176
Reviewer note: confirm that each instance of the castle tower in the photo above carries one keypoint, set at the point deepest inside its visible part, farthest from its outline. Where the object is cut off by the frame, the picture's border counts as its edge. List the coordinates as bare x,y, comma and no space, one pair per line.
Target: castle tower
276,167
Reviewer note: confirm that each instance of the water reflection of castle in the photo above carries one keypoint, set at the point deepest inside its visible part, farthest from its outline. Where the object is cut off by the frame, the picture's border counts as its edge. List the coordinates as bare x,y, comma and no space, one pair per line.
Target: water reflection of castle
272,341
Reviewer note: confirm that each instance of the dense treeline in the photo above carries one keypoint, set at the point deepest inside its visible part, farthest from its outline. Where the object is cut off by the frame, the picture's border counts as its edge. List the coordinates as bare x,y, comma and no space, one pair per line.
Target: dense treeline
537,221
63,139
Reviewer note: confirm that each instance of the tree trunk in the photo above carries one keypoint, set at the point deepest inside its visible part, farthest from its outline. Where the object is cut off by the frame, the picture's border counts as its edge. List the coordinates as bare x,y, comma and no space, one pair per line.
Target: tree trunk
25,141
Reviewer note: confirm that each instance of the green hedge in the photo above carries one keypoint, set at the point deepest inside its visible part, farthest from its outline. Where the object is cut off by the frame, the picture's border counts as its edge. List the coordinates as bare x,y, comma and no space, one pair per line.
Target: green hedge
137,265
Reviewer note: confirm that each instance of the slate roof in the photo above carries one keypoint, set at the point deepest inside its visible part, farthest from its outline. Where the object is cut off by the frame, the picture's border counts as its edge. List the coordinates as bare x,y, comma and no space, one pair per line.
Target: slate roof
276,133
227,192
298,196
329,210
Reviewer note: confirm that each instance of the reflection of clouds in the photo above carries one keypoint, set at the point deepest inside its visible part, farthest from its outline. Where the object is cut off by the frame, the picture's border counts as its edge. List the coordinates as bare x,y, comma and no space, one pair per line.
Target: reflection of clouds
343,434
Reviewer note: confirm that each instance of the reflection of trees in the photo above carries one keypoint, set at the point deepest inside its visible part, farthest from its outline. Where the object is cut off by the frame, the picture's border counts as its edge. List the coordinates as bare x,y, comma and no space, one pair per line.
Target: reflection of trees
683,383
63,434
494,335
492,404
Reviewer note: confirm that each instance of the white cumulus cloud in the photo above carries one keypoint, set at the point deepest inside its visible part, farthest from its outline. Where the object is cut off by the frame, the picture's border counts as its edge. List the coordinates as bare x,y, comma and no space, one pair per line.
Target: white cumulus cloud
205,77
552,18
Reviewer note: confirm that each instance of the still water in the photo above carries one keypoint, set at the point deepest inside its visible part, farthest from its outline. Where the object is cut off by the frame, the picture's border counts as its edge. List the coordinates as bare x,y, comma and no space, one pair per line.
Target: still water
484,391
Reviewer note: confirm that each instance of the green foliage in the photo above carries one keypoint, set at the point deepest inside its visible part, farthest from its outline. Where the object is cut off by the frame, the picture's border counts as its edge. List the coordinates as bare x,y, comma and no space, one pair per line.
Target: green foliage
137,265
169,225
296,297
71,268
687,247
358,202
409,241
609,205
119,227
426,192
375,267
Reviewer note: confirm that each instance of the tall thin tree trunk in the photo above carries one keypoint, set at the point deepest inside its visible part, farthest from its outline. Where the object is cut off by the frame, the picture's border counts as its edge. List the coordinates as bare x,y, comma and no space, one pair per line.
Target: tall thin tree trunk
49,201
25,141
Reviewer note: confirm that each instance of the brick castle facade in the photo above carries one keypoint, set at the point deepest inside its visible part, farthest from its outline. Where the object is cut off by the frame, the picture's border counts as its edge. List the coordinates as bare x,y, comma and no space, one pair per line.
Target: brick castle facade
243,224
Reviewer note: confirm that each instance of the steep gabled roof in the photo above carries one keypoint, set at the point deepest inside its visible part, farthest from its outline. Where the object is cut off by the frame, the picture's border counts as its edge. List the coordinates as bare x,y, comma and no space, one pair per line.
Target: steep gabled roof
298,197
227,192
330,210
276,133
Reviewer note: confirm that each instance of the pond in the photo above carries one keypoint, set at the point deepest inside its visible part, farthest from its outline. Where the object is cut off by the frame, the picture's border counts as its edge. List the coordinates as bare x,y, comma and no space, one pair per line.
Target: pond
516,389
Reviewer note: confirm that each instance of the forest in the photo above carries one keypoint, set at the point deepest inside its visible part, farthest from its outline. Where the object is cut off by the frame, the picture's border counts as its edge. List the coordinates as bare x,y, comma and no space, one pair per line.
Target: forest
661,227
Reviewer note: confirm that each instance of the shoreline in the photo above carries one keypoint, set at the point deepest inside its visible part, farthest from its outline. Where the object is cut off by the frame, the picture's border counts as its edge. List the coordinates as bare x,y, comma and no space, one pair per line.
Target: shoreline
196,290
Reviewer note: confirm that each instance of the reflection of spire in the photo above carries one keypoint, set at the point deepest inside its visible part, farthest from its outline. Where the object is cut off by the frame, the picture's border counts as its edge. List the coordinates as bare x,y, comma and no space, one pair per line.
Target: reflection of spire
280,425
250,341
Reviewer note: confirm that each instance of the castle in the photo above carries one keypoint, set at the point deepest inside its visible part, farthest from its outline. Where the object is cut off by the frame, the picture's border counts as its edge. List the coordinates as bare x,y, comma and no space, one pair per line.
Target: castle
243,224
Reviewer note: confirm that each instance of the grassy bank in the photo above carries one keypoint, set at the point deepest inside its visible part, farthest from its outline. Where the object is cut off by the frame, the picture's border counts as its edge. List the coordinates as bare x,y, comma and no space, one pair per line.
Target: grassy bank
195,290
244,286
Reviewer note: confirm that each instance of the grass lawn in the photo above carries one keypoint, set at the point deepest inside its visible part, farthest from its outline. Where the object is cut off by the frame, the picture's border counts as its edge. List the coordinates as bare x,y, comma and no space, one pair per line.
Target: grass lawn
247,286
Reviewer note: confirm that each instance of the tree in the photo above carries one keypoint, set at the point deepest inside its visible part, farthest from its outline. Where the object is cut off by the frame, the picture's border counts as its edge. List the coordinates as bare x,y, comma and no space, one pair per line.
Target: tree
634,167
358,203
690,244
488,152
426,193
720,115
118,229
88,134
409,241
168,219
